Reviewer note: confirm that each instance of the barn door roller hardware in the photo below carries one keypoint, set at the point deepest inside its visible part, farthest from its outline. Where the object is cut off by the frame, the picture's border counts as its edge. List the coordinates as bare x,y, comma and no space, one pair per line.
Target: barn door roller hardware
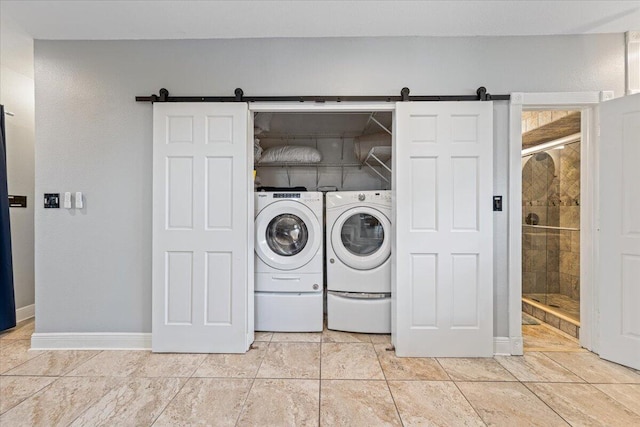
481,95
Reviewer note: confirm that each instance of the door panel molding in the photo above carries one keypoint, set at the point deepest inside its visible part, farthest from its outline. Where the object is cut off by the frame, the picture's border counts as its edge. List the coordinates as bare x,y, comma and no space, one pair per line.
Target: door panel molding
202,261
443,271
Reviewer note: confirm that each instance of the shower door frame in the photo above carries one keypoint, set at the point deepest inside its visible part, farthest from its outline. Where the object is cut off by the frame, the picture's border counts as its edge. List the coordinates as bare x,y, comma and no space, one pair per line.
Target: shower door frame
586,103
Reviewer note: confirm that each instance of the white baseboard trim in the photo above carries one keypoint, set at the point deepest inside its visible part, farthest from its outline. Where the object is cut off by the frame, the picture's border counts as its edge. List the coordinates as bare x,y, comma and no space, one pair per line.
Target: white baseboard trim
91,341
507,346
517,346
26,312
504,346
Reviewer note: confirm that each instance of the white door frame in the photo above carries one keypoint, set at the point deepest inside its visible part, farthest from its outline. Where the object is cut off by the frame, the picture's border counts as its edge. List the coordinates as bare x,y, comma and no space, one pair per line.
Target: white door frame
587,103
323,107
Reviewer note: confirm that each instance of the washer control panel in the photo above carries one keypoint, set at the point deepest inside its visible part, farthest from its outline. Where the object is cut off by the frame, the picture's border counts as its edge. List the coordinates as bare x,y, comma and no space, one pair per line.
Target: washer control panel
308,196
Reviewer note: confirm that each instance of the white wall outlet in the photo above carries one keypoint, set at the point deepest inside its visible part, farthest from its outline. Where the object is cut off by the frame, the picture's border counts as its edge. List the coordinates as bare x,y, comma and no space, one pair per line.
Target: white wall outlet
79,202
67,200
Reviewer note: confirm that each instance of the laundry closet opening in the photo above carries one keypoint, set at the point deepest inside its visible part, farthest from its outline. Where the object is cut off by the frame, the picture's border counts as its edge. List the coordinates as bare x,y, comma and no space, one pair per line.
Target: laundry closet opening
323,221
342,151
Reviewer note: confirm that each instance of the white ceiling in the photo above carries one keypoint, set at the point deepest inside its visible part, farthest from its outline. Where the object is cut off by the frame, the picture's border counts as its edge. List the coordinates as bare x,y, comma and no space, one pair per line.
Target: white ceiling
134,19
22,21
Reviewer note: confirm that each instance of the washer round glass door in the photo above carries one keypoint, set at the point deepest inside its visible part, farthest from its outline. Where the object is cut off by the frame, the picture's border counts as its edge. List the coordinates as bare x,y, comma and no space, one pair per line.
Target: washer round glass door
360,238
288,235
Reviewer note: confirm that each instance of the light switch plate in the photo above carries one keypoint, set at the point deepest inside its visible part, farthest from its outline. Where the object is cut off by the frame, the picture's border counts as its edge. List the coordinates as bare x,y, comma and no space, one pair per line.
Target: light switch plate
52,200
67,200
79,201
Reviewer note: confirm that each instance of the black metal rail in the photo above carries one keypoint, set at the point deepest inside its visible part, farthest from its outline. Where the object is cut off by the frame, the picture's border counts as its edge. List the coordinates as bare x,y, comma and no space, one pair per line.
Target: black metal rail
481,95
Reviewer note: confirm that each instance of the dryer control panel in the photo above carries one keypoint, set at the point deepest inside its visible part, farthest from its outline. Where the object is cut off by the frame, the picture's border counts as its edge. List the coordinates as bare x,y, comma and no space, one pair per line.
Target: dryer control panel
343,198
367,196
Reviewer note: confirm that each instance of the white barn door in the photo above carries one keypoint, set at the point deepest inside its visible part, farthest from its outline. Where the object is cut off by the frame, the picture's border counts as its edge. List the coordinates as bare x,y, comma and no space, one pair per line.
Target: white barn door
202,247
443,276
619,235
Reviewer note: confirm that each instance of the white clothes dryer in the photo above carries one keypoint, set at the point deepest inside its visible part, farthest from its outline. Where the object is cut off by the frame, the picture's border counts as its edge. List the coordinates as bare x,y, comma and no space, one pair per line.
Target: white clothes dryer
359,261
288,262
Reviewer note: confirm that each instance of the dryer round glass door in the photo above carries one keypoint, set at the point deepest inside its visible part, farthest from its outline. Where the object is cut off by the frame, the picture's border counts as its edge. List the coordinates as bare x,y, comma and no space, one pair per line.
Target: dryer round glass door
288,235
360,238
362,234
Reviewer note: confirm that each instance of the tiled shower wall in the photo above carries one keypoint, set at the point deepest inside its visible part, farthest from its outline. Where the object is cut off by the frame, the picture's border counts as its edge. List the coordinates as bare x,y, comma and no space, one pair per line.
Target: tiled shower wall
551,190
570,218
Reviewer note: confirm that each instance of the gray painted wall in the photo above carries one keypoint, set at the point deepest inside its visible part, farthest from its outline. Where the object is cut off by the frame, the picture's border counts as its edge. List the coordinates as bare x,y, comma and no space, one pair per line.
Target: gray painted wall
93,267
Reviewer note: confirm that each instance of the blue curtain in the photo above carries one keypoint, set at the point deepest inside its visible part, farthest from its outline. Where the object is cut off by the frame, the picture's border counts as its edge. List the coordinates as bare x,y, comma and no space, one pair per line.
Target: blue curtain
7,297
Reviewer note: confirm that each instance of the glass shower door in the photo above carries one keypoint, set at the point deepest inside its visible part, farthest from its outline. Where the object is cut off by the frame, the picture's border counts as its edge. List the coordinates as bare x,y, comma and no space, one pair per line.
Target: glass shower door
550,229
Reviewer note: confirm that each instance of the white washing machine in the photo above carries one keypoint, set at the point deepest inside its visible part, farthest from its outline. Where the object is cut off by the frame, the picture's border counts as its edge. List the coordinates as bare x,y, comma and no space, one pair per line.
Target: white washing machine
288,262
359,261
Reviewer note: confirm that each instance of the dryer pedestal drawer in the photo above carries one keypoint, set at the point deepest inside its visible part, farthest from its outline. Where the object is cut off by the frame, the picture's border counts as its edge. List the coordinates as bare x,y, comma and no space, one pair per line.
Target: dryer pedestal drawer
366,313
288,312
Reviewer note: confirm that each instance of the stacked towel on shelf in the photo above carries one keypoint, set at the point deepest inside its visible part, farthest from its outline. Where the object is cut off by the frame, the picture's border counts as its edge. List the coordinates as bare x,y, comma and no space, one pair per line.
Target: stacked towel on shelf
290,154
257,150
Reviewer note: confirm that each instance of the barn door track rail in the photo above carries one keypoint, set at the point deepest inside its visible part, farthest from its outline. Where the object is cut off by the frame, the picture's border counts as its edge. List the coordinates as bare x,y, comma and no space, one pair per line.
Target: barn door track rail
481,95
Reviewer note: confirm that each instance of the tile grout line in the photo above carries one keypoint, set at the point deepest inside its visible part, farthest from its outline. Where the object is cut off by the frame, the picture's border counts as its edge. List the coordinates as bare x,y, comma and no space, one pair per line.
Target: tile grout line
187,379
460,391
29,360
386,381
545,403
563,367
443,369
66,374
468,401
545,381
598,391
31,395
90,405
615,399
253,381
584,379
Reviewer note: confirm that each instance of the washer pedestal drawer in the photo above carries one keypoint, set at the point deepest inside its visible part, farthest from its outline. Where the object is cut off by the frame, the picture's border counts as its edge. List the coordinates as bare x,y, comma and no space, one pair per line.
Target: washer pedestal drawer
352,312
288,312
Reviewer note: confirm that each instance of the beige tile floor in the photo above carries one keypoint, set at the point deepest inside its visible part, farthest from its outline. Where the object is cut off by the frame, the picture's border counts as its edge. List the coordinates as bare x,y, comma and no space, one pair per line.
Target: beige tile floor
329,378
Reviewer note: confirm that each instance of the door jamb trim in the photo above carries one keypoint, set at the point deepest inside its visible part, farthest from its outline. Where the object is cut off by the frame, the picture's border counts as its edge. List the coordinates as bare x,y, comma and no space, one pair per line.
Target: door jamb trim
586,102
